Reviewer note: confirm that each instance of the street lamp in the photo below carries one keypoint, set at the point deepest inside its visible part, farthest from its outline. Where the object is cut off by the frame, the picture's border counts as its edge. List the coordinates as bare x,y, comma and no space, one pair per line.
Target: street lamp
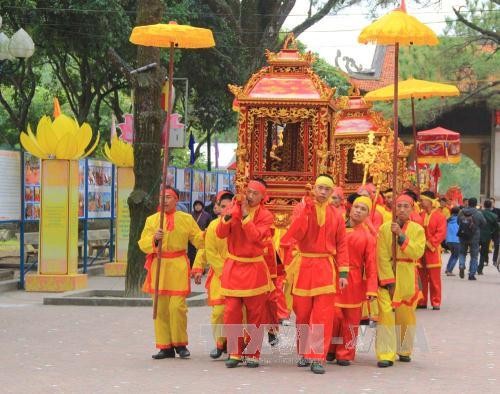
20,45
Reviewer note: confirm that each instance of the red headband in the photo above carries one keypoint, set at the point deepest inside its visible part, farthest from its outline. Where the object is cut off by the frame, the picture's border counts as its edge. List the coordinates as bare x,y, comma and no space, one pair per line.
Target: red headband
256,185
171,193
405,197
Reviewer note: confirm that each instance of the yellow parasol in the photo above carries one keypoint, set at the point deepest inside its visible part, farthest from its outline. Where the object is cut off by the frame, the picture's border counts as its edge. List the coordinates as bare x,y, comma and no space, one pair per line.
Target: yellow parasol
412,89
397,28
171,36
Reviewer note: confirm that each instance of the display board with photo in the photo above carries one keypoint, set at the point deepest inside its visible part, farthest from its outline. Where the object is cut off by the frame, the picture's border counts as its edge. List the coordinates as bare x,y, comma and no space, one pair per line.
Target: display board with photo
10,185
183,184
99,180
232,186
32,190
210,186
198,186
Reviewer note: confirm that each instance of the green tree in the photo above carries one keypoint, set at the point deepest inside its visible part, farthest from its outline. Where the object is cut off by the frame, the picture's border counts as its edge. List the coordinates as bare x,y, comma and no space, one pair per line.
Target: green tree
455,174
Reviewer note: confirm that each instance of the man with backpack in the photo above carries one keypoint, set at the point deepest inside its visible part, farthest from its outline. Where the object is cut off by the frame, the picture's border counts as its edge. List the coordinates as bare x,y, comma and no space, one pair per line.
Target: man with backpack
470,220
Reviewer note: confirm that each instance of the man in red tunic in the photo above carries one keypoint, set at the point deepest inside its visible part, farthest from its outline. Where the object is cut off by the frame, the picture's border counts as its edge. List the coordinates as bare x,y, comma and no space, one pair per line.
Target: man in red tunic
245,278
434,223
319,234
363,284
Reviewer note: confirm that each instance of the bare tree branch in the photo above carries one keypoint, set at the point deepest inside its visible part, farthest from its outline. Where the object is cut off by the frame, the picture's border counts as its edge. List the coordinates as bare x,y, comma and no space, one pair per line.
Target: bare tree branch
487,34
299,29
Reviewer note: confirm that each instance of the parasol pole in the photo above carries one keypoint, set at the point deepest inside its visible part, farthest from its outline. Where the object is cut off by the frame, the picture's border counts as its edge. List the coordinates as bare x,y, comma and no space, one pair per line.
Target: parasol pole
164,174
415,143
395,151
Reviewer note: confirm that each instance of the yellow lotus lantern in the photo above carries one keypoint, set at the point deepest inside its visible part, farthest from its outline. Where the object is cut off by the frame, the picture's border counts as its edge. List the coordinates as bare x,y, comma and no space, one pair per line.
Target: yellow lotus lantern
121,154
62,139
60,144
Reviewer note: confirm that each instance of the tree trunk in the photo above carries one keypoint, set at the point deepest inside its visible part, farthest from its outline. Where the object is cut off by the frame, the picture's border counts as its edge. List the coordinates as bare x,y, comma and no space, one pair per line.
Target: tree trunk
209,155
147,146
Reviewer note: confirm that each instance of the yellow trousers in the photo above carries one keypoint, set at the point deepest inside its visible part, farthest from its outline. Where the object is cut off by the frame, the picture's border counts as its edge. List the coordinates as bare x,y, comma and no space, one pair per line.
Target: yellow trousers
217,321
395,328
171,322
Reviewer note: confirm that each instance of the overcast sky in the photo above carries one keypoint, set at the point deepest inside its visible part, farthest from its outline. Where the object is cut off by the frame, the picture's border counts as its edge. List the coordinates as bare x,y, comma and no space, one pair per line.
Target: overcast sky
340,31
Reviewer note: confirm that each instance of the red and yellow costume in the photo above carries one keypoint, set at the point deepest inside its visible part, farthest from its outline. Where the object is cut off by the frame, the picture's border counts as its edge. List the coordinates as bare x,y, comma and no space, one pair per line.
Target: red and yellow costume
214,255
397,314
362,283
245,277
430,268
319,234
174,282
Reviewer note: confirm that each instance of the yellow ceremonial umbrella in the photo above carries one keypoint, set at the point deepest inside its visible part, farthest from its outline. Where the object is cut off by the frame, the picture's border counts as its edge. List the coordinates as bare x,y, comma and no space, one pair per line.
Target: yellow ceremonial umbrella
171,36
412,89
397,28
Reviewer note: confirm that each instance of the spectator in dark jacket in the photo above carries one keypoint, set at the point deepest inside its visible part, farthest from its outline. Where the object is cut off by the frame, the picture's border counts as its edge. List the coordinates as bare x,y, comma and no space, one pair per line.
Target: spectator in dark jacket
452,240
496,235
202,218
486,234
470,242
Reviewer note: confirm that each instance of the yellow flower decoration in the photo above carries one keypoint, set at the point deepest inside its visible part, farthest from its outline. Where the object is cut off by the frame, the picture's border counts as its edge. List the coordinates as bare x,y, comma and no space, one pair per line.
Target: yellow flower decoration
121,154
59,139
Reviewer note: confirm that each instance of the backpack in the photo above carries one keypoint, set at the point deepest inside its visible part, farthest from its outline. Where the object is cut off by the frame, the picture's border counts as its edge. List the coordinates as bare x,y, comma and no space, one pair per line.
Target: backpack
466,226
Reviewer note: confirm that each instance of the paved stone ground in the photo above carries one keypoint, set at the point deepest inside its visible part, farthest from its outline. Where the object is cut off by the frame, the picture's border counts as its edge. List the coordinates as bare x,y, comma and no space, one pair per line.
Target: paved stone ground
67,349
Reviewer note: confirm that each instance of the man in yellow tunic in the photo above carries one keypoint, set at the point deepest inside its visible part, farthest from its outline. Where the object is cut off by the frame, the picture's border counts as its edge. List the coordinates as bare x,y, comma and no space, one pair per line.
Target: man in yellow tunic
214,255
174,282
399,289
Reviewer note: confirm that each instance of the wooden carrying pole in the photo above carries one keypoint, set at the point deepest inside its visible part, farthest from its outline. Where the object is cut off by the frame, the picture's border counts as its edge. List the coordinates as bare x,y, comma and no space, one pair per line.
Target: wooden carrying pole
164,176
395,151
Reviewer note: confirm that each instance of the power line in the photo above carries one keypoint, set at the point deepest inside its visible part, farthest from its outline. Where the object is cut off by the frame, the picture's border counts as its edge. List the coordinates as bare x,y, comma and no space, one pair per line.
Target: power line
210,14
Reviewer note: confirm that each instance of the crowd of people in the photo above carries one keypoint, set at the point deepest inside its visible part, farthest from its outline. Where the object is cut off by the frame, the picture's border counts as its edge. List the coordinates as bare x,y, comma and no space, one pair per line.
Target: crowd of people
342,262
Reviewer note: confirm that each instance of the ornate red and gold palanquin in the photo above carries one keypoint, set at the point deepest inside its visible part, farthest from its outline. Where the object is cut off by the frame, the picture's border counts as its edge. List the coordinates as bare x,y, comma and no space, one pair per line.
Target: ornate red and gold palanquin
352,123
285,132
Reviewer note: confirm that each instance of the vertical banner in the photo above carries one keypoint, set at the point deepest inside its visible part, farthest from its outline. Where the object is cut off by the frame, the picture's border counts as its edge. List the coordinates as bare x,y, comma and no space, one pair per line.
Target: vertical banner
54,223
125,184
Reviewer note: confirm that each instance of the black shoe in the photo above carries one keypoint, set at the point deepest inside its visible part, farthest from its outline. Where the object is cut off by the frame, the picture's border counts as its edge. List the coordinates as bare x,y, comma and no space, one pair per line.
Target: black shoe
303,362
216,353
233,362
343,363
384,364
479,272
436,308
405,359
164,353
421,306
182,351
317,368
461,273
472,277
272,339
330,357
